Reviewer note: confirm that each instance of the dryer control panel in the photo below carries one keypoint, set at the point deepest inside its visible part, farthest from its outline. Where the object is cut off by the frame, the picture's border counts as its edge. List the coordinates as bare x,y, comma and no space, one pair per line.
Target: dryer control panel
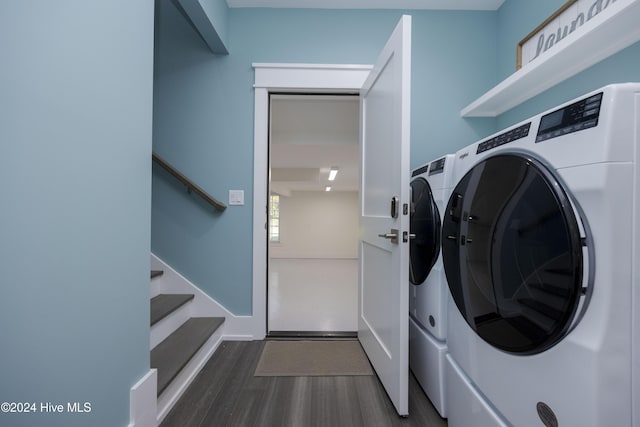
572,118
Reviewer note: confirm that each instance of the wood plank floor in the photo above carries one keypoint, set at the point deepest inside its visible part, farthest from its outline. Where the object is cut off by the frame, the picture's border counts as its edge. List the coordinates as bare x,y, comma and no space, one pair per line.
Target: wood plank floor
226,393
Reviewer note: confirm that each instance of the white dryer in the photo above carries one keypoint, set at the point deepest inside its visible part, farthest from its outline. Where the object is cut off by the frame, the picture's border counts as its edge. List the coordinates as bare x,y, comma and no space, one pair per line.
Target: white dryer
539,240
430,188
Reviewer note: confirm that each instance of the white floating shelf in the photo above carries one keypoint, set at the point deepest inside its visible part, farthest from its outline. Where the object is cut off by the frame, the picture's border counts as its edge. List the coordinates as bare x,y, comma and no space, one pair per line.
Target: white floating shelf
600,37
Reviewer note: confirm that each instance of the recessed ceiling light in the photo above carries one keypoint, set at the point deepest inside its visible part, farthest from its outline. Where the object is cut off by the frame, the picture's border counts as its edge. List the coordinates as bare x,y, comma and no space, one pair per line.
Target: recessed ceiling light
332,173
327,188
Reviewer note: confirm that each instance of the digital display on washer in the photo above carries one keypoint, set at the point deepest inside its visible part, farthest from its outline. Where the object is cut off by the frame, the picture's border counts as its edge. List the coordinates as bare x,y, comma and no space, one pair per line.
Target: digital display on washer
572,118
437,166
504,138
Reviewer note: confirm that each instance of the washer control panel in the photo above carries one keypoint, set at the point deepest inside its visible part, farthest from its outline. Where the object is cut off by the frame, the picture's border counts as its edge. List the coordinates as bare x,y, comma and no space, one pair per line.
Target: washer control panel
420,171
437,166
572,118
504,138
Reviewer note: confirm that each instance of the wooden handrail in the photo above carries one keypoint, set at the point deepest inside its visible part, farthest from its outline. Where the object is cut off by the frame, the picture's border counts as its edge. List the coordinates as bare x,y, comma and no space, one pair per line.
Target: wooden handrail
191,186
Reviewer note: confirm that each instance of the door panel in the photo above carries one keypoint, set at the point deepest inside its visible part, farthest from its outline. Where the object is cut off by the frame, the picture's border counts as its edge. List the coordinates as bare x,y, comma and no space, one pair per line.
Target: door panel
377,277
424,247
514,254
384,278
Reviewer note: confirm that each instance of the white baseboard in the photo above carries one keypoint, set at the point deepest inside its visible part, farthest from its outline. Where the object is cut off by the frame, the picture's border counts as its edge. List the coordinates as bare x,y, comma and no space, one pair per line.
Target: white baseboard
143,401
239,328
181,382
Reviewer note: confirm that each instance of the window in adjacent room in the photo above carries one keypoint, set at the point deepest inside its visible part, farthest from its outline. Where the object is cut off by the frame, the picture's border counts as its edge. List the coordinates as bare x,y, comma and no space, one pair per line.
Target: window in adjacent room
274,218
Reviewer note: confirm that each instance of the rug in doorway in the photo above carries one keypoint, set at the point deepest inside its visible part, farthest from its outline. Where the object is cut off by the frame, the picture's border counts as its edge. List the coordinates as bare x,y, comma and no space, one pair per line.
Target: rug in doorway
312,358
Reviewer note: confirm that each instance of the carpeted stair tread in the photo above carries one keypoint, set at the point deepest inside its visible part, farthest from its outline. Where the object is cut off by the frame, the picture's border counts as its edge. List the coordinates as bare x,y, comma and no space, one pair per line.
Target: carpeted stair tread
172,354
156,273
164,304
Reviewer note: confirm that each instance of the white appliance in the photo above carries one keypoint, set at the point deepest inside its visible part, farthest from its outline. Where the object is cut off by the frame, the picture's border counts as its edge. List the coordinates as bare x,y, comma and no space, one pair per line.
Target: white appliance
539,248
430,188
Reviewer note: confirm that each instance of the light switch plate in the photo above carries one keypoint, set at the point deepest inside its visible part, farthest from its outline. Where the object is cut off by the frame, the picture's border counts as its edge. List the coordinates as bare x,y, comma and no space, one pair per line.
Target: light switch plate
236,197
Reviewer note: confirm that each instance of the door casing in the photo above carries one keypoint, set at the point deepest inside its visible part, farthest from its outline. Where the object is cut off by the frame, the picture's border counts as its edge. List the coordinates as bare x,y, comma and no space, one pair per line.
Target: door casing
303,78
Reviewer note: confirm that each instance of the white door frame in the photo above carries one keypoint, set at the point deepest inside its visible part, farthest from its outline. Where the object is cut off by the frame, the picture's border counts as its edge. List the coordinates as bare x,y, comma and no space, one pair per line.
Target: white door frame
303,78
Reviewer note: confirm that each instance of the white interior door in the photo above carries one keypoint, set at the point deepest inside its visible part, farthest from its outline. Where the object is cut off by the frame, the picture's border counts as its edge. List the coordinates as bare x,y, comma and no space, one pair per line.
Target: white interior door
384,260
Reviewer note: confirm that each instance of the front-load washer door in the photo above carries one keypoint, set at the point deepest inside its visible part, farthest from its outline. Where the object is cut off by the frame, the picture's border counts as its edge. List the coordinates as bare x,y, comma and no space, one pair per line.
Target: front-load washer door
513,254
424,246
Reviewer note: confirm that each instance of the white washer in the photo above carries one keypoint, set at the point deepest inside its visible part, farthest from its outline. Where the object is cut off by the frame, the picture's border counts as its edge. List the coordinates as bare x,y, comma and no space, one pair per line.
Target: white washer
430,188
539,249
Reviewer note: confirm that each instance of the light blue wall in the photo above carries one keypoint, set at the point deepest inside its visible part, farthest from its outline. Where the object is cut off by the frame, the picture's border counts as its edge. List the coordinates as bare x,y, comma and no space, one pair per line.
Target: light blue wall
516,19
203,121
453,58
75,178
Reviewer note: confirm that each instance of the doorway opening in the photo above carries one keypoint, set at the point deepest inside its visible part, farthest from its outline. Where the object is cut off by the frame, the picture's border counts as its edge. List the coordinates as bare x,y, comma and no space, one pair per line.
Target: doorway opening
314,179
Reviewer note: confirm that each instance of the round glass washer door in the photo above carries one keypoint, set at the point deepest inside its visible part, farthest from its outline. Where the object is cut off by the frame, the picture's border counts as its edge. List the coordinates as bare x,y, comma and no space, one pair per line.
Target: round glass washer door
513,254
424,248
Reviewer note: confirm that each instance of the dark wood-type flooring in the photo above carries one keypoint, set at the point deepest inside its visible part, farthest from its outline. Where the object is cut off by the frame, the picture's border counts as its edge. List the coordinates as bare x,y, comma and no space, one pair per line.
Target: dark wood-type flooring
225,393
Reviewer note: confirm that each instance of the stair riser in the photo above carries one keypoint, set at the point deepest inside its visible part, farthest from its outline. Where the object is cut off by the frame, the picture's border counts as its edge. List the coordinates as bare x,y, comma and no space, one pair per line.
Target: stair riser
179,384
157,286
165,304
165,327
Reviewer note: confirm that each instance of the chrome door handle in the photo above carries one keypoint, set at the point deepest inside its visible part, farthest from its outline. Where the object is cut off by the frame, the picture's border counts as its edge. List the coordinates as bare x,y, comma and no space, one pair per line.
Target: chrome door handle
393,235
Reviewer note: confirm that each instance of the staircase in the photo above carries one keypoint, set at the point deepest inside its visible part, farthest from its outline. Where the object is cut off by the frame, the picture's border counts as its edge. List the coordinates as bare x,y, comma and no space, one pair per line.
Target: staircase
180,342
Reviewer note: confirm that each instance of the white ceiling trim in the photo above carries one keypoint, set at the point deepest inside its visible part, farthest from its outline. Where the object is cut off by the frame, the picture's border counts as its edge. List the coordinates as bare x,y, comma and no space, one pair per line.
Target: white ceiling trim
371,4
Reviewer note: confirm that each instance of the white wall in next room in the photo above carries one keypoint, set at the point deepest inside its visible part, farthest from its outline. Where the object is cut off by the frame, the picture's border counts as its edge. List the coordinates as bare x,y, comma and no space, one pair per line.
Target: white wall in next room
315,224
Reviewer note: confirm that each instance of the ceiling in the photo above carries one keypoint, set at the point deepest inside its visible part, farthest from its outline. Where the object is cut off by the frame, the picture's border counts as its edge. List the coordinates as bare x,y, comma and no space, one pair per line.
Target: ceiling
372,4
310,134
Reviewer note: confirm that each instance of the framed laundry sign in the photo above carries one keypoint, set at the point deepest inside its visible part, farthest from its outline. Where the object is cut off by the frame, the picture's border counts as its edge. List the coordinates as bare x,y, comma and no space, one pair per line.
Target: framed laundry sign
570,18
